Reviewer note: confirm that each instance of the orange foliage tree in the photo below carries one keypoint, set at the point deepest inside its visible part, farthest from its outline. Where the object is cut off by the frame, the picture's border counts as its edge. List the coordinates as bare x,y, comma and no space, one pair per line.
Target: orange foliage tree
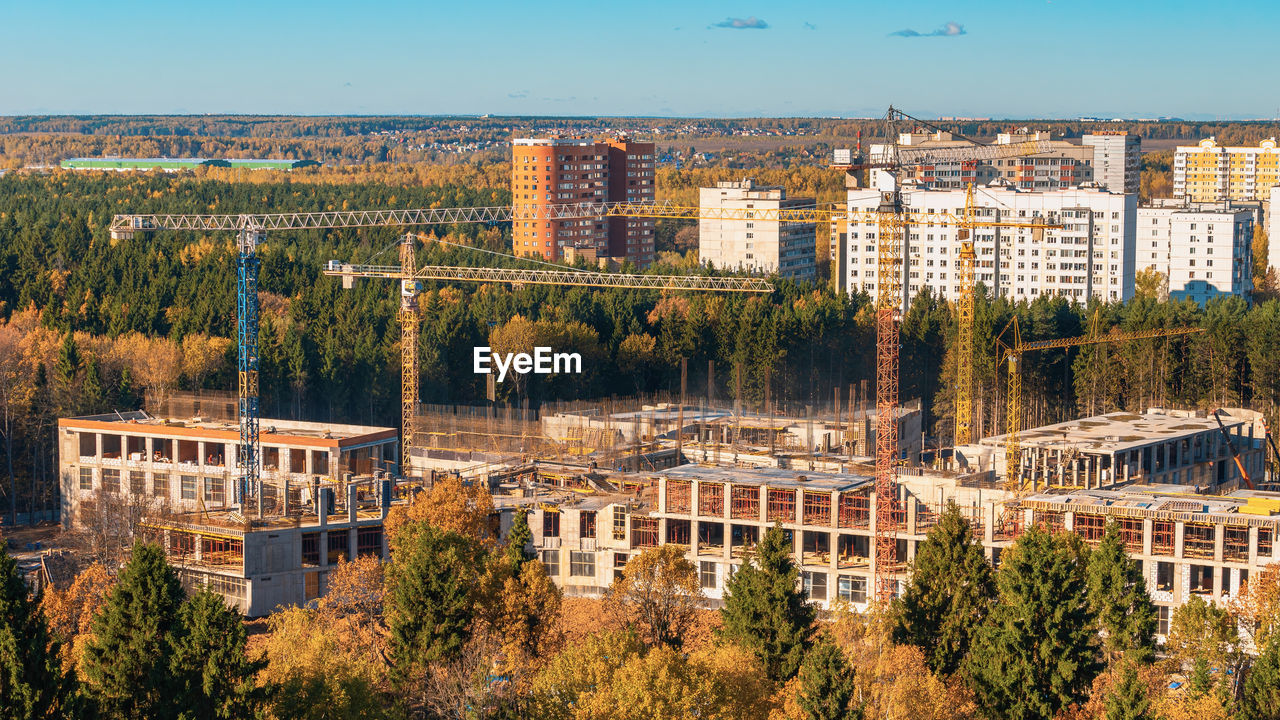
451,505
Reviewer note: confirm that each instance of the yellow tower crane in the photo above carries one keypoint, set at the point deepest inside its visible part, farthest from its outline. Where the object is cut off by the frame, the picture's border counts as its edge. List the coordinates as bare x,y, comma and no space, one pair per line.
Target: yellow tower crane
1012,351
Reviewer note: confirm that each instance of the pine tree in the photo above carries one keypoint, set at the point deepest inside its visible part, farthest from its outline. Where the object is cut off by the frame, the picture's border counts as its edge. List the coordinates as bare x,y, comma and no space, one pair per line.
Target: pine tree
1261,697
429,606
127,662
826,684
91,390
215,677
764,610
1037,652
949,596
1118,597
517,550
32,684
1200,681
1128,698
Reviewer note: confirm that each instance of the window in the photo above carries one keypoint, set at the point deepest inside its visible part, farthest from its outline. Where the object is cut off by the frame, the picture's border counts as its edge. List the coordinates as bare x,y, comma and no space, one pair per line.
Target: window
160,484
815,585
619,523
582,564
339,547
852,589
137,483
1164,576
551,559
111,480
550,523
86,478
213,491
188,487
1162,625
369,541
587,523
311,548
1201,579
707,575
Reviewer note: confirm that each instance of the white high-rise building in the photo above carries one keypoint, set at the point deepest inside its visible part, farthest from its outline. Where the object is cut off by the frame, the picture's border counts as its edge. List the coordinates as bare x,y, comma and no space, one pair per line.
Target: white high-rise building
1204,250
1090,256
787,248
1117,157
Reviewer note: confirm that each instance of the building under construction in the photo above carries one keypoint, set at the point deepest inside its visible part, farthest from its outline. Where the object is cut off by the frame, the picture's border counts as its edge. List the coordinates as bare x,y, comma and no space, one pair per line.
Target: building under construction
1160,447
603,484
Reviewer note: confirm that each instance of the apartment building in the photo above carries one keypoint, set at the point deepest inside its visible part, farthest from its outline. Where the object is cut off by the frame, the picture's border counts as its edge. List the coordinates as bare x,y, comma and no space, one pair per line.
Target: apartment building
1209,172
190,464
1091,255
765,247
1109,159
1117,157
564,171
1204,250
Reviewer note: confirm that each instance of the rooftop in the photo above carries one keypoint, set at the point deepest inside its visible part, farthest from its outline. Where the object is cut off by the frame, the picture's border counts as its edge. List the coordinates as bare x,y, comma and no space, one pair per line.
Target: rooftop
141,422
1164,502
1119,431
773,477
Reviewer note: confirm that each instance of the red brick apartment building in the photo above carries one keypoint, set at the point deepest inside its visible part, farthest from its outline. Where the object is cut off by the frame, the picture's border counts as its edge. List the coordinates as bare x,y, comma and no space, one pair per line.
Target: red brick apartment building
560,170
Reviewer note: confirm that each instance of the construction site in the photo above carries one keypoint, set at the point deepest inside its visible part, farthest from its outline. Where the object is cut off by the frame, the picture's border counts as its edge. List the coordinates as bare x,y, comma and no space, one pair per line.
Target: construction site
271,504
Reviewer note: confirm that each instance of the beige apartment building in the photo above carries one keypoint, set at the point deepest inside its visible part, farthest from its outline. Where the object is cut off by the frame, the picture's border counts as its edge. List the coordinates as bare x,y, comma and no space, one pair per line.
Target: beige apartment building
787,248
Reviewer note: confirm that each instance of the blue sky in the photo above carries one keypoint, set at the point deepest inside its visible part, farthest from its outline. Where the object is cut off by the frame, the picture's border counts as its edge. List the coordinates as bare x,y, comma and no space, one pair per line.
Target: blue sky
998,58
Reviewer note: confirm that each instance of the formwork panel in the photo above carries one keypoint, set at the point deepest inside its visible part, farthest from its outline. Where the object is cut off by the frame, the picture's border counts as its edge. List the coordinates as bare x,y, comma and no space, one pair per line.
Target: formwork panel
1089,527
1162,537
1130,533
1235,543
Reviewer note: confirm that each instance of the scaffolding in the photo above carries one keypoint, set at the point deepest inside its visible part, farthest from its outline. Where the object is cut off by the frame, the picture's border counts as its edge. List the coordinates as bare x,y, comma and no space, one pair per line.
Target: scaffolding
1162,537
644,531
1009,524
744,502
817,508
855,511
927,516
1090,528
1265,538
1050,520
711,499
1130,533
1235,543
1197,541
678,496
782,506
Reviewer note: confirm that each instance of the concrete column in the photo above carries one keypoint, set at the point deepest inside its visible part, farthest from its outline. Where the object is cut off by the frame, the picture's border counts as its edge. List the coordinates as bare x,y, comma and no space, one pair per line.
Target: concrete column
308,462
1253,547
1069,521
147,444
1219,539
911,515
352,539
693,537
201,455
835,515
693,497
97,445
764,504
989,526
662,494
726,553
1178,529
1148,531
